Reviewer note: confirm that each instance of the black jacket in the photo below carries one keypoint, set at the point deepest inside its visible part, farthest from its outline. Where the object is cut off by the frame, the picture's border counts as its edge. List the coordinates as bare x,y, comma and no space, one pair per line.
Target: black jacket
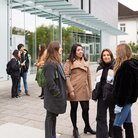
15,68
24,57
104,81
126,83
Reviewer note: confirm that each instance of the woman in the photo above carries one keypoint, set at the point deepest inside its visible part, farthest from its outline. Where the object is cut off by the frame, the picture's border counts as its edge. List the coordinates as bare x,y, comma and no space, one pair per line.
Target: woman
55,89
15,73
104,86
125,90
79,87
40,63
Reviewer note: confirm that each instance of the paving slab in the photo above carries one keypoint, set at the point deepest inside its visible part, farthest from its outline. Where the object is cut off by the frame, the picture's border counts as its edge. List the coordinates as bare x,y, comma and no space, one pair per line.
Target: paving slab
28,112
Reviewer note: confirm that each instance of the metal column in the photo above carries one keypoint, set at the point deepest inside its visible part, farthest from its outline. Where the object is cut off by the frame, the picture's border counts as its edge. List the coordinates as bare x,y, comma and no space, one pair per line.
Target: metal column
60,30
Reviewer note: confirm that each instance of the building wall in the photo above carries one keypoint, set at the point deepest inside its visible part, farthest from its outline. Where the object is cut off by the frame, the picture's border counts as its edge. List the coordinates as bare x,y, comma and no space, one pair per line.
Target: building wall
131,30
3,39
108,41
106,11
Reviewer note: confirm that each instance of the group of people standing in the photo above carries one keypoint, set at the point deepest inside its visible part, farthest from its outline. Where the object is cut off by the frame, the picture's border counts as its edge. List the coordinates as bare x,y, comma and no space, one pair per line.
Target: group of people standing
116,87
19,65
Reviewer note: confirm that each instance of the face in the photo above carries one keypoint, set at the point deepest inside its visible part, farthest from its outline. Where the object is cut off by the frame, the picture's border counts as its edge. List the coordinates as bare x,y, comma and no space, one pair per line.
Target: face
79,52
60,51
22,49
106,57
19,54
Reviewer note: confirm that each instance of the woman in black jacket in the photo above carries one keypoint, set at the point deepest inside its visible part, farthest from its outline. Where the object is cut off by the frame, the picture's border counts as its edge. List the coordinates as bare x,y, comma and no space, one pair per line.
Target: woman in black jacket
103,89
125,90
15,73
55,88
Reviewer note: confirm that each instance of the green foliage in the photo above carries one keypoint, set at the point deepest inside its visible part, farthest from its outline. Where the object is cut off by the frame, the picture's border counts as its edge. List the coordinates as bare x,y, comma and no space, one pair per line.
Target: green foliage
134,47
45,34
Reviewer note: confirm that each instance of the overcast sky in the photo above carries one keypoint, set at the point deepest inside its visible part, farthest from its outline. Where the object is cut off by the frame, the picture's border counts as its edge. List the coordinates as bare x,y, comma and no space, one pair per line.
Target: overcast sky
132,4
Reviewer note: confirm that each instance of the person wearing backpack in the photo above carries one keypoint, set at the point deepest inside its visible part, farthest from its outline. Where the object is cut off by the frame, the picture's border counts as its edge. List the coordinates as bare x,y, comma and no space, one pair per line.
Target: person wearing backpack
39,64
15,73
24,68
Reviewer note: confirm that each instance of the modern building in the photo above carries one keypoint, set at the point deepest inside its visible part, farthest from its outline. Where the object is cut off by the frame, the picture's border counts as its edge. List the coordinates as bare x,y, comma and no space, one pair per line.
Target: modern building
128,23
98,17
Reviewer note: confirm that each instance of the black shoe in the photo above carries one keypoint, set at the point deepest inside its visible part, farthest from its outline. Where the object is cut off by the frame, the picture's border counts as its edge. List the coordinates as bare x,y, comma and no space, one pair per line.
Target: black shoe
42,97
76,133
89,129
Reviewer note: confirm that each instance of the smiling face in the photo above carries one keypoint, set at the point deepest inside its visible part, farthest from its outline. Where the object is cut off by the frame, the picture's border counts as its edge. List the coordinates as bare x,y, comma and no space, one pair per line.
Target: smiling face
79,52
106,57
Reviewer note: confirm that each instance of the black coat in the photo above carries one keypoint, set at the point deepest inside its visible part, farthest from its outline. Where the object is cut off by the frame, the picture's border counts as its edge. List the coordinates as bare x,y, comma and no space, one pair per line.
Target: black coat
15,68
24,58
126,83
55,90
104,82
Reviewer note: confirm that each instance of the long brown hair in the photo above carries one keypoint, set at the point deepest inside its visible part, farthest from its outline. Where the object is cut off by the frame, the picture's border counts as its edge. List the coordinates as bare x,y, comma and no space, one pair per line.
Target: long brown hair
53,52
42,49
123,53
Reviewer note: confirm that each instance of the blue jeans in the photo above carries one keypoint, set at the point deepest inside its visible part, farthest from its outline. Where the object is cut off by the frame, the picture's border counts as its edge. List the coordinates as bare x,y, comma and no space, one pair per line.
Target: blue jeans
24,77
124,116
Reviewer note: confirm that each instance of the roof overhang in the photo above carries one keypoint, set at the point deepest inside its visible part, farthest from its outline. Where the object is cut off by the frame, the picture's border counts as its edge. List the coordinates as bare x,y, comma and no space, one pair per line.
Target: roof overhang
51,9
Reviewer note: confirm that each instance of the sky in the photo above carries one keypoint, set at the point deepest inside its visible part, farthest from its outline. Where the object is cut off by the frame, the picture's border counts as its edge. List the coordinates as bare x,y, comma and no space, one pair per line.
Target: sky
132,4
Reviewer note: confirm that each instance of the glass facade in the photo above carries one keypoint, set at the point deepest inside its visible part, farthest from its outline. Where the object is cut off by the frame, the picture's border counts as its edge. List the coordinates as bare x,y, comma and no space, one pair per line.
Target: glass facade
27,28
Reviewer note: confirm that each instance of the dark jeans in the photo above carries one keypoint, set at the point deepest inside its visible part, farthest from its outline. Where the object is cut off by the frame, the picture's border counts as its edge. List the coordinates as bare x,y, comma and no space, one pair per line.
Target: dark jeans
50,125
14,90
102,128
85,112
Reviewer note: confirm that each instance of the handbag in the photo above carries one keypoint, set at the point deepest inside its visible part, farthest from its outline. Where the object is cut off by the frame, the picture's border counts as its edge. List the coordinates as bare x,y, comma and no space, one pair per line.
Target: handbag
96,92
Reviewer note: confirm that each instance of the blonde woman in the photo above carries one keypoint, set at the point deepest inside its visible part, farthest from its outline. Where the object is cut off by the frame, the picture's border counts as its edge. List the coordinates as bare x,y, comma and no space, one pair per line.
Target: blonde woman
125,90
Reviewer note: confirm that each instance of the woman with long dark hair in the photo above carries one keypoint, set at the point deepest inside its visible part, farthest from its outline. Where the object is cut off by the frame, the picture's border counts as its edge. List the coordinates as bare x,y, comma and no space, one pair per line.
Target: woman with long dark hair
55,88
79,87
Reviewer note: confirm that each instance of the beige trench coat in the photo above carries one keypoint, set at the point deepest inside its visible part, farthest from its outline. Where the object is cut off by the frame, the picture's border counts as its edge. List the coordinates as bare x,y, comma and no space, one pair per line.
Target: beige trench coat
78,80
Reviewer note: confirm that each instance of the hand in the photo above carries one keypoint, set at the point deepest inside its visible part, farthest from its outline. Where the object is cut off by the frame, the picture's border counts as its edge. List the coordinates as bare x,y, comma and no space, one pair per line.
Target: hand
117,109
72,95
23,64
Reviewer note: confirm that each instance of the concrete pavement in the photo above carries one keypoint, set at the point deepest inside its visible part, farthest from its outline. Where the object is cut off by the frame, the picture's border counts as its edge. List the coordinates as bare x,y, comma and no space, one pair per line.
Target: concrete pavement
28,111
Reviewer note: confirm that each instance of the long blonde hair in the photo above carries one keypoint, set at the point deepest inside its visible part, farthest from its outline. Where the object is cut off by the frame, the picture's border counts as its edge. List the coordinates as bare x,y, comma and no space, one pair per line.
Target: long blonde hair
123,53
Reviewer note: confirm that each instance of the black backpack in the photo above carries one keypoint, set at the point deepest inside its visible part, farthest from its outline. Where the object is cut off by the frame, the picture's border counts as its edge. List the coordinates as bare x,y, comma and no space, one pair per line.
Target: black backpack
8,68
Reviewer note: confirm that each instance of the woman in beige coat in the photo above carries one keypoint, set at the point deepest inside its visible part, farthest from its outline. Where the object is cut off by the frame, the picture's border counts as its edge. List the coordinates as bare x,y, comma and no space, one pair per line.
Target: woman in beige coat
79,87
40,62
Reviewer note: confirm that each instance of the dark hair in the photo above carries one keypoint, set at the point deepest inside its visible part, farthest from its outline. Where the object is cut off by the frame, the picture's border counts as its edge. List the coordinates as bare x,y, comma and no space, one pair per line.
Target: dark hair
15,53
53,52
110,53
42,49
72,56
20,46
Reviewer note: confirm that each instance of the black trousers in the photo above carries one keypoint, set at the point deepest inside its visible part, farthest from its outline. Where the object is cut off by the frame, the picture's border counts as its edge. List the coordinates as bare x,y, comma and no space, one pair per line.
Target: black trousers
85,112
14,90
50,125
102,127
